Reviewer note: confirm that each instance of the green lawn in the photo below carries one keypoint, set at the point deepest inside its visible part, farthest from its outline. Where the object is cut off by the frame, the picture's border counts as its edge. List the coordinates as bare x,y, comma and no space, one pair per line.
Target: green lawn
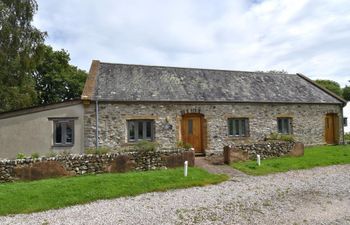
314,156
26,197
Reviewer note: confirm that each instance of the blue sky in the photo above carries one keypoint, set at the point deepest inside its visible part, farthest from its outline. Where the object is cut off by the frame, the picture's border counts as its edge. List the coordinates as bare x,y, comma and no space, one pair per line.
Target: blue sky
307,36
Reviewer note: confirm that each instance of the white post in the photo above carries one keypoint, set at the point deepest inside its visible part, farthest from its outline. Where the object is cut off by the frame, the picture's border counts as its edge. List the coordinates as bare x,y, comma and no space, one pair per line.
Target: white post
258,159
185,168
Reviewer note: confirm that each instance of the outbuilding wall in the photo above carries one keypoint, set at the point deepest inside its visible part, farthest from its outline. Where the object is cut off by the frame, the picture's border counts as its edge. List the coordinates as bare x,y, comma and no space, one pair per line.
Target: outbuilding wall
33,132
308,122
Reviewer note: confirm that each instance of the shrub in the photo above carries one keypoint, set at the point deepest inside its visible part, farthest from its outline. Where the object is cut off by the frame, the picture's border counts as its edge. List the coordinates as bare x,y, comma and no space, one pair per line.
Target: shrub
281,137
20,156
181,144
287,137
51,154
347,136
64,153
146,146
35,155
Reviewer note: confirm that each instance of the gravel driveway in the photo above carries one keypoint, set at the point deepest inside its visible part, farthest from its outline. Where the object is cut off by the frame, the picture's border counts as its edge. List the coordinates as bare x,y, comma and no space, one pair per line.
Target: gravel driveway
316,196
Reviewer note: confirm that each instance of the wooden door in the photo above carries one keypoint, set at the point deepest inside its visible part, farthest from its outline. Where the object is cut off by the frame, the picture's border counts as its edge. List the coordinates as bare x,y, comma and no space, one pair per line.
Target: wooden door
331,128
192,131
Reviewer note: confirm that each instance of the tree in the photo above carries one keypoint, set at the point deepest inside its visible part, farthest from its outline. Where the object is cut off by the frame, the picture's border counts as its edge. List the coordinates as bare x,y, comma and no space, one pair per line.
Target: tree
274,71
20,51
331,86
346,93
56,80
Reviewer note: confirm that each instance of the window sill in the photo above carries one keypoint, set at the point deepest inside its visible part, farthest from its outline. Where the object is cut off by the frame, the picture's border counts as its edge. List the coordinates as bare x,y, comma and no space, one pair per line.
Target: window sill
62,145
237,138
130,143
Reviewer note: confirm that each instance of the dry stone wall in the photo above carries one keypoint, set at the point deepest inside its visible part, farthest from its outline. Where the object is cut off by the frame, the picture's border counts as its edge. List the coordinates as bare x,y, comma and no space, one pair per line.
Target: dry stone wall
72,165
264,149
308,122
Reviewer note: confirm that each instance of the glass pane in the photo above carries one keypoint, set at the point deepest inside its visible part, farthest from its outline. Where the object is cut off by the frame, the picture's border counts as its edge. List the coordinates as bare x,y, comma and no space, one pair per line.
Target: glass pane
243,127
279,124
131,130
286,126
148,129
230,127
69,133
140,130
190,126
236,127
58,138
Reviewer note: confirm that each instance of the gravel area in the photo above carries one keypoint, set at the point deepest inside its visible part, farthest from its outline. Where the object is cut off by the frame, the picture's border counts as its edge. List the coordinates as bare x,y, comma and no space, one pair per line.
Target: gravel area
315,196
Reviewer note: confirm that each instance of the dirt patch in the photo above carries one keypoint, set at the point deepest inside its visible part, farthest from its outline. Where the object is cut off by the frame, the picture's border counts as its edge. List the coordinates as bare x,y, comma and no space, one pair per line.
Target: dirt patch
121,164
40,170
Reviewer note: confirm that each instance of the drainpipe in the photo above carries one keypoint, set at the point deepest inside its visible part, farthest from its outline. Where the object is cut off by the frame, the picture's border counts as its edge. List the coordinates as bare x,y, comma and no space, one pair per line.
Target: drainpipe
342,123
96,104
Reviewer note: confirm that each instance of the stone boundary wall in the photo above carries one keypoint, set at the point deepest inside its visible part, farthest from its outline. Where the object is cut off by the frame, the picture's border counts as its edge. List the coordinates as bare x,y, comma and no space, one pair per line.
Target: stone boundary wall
265,150
73,165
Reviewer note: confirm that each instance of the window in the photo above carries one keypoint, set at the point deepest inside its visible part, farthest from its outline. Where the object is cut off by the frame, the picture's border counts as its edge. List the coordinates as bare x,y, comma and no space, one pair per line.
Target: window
140,130
284,125
63,132
238,127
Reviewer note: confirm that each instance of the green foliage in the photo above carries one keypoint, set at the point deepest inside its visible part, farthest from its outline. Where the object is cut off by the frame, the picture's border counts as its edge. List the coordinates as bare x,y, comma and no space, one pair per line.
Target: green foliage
346,93
20,51
35,155
20,156
98,151
181,144
331,86
31,73
347,136
274,71
281,137
146,146
313,156
57,80
51,154
43,194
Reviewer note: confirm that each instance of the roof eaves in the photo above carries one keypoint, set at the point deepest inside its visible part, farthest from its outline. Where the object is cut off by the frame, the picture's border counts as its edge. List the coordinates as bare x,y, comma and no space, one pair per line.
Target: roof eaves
323,89
41,108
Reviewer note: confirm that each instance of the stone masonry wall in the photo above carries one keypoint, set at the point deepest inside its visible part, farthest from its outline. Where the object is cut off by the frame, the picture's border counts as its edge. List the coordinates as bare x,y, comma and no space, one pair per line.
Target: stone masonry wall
72,165
308,122
266,150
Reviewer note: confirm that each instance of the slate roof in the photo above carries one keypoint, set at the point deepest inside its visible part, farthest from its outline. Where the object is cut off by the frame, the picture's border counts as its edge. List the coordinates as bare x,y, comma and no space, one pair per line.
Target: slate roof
125,82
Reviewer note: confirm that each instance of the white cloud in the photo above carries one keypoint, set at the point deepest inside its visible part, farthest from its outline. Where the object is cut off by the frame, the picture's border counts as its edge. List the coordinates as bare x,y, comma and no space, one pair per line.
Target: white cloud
307,36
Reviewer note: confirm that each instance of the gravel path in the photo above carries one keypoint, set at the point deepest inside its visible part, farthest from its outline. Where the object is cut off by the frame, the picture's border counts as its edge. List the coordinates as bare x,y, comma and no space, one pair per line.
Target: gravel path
316,196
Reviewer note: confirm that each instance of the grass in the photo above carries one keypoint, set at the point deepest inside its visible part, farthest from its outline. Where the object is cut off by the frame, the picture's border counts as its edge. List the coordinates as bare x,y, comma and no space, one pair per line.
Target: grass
313,156
26,197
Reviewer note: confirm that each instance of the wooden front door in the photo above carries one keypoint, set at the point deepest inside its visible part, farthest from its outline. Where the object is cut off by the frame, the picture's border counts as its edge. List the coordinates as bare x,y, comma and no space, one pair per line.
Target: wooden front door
192,131
331,128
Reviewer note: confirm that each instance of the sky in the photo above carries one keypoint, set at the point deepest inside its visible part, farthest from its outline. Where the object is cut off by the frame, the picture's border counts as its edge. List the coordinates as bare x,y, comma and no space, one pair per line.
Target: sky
311,37
305,36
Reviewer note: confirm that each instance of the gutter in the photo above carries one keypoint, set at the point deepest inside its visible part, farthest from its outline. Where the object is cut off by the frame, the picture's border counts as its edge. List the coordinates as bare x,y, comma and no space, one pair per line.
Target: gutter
97,118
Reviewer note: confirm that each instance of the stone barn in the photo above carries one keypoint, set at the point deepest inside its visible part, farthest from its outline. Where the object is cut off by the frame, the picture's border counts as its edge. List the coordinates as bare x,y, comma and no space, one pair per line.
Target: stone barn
205,108
208,109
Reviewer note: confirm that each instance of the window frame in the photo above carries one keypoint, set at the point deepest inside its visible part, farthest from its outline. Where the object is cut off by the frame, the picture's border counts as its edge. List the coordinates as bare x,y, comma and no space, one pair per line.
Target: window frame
289,127
144,130
64,122
240,128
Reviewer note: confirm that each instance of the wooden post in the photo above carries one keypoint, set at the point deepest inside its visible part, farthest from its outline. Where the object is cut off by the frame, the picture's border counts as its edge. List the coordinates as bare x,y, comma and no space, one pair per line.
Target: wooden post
227,153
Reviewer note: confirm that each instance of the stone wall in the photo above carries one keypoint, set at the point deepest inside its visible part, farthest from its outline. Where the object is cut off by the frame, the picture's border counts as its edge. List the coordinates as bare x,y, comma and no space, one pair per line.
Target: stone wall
265,150
72,165
308,122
